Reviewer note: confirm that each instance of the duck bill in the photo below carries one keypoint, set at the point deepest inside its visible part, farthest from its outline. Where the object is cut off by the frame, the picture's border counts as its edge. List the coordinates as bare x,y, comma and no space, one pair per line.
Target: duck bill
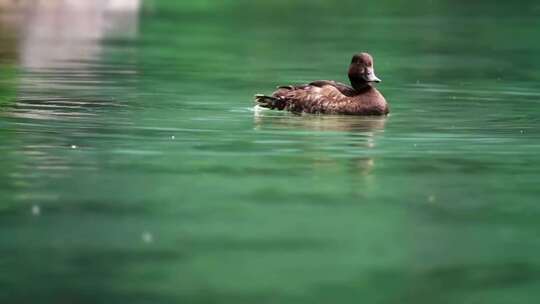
373,78
370,76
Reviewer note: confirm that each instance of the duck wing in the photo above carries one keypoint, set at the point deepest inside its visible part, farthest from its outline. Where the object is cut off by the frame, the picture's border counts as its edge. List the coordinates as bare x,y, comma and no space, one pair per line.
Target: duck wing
315,97
304,98
343,88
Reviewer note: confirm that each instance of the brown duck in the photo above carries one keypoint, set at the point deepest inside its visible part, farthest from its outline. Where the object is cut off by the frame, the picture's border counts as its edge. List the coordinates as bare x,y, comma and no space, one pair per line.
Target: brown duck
331,97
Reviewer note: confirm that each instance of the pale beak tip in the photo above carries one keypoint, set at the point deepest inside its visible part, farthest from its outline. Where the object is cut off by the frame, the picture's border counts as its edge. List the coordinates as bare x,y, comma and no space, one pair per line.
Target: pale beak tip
372,78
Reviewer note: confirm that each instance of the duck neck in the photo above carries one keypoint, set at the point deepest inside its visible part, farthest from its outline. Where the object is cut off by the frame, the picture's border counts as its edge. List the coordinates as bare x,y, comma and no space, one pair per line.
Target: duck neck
358,83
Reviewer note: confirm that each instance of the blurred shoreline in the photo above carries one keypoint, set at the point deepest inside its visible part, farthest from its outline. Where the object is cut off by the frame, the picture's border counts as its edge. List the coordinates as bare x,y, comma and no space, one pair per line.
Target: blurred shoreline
44,34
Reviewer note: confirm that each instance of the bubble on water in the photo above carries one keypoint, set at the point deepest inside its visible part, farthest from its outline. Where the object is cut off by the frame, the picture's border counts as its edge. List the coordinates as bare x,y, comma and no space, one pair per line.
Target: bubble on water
432,198
414,145
36,210
147,237
73,146
521,131
172,137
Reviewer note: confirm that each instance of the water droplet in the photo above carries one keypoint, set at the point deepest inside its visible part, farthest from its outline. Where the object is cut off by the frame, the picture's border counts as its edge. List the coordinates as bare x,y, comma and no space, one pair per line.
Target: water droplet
36,210
147,237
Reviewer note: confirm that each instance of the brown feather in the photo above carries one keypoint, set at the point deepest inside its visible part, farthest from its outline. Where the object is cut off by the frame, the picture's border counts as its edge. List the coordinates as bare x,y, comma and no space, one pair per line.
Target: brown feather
330,100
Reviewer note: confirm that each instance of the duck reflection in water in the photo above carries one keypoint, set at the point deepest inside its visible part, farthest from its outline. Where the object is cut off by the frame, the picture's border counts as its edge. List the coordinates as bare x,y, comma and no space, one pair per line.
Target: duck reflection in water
361,133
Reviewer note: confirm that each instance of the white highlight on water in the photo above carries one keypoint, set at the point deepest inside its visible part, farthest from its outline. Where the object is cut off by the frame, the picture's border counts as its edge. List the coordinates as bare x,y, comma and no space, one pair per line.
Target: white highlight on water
36,211
73,146
147,237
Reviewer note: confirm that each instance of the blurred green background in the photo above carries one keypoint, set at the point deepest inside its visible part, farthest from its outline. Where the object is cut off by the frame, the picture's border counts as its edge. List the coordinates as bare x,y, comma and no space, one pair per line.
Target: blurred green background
134,168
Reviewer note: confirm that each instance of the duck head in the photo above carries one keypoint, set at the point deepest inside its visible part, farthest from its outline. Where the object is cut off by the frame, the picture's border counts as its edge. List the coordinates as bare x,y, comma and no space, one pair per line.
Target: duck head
361,71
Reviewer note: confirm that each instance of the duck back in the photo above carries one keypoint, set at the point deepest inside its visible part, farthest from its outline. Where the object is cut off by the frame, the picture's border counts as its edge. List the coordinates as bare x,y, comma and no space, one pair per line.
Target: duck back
326,99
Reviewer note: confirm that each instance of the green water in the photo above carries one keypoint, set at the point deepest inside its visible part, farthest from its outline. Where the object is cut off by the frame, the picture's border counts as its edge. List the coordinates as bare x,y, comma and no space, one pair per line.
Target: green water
137,170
